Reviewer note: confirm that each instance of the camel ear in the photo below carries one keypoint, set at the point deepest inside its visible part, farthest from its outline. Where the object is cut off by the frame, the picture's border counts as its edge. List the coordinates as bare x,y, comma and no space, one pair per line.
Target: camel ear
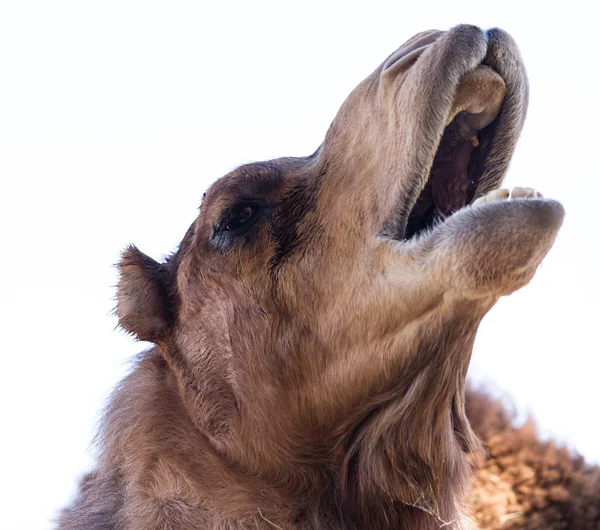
142,296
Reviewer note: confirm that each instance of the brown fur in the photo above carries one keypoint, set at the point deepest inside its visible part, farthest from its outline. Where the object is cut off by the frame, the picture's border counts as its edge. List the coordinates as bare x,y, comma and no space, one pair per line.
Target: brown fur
526,483
309,367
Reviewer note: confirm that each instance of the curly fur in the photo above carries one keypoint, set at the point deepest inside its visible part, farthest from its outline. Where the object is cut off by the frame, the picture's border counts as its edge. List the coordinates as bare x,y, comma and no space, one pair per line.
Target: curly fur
525,482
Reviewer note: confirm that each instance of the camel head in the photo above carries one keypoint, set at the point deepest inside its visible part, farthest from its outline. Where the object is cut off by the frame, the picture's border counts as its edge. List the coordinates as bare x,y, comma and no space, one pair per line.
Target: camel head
320,312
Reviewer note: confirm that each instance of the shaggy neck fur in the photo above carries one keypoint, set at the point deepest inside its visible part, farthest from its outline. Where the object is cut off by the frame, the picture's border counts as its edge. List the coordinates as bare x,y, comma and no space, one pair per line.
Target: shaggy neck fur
400,460
406,458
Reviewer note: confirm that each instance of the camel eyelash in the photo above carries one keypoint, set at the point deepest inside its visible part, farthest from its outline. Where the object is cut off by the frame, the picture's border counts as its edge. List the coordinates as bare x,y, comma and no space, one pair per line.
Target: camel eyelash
237,221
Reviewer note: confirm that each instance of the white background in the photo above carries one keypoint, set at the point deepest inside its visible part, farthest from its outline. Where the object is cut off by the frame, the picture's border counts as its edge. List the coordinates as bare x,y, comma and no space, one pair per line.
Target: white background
116,116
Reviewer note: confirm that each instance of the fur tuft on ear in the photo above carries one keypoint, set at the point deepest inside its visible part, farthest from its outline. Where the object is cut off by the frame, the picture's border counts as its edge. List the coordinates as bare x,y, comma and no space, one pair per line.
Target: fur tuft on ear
142,296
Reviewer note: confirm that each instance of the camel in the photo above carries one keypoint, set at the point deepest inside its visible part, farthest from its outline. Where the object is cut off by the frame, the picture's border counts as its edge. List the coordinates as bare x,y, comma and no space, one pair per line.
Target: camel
313,330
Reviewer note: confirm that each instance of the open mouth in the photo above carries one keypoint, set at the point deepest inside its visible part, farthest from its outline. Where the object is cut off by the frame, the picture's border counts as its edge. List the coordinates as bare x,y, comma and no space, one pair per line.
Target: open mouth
455,177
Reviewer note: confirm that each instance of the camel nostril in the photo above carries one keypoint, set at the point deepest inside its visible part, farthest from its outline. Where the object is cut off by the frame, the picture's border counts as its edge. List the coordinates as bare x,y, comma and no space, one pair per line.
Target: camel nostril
408,53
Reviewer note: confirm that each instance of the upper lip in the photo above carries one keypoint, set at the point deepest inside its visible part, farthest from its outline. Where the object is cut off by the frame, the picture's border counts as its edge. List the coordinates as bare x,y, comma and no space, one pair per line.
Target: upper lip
491,94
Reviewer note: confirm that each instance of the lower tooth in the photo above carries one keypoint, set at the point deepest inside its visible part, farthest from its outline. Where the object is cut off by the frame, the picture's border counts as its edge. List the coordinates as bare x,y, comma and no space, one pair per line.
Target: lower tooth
474,141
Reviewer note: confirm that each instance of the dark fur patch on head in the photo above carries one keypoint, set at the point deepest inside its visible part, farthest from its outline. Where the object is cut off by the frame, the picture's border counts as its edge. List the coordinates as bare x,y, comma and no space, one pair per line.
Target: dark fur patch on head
289,215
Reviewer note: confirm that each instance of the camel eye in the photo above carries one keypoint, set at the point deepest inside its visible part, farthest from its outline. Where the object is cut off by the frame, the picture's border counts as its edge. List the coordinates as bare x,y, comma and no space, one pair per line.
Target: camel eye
240,218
